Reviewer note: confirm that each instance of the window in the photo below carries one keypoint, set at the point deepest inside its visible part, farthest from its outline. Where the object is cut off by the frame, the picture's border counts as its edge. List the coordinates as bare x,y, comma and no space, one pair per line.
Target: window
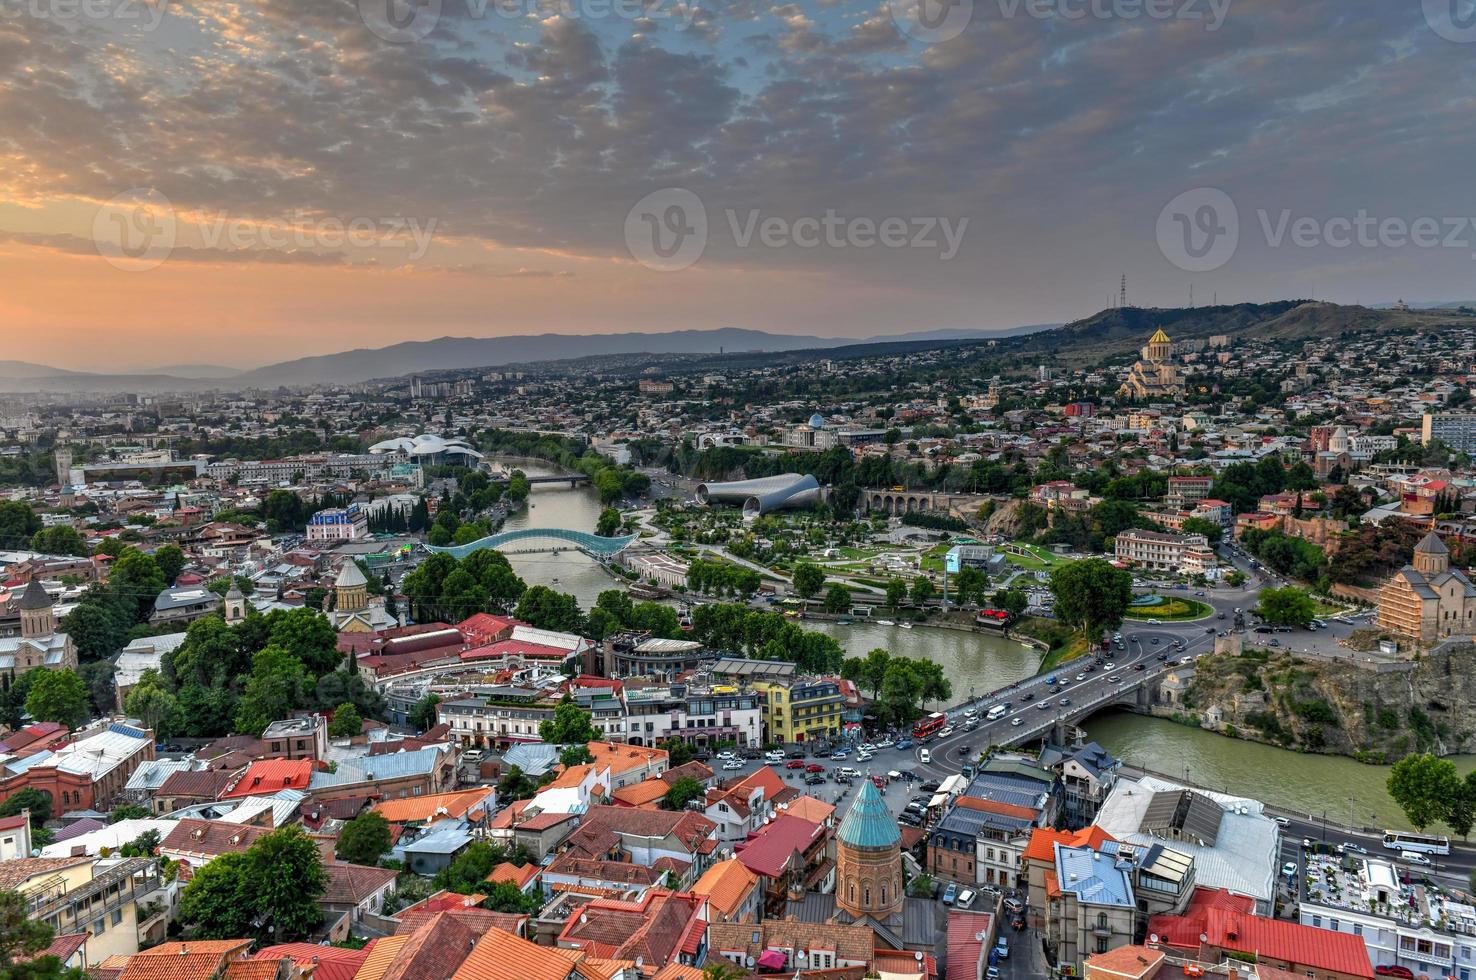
117,916
1101,944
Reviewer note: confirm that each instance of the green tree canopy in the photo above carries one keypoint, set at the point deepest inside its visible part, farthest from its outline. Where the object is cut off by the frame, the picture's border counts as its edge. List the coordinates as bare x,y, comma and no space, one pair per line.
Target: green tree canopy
346,721
59,696
1286,607
682,791
1091,595
1423,786
809,579
570,725
363,839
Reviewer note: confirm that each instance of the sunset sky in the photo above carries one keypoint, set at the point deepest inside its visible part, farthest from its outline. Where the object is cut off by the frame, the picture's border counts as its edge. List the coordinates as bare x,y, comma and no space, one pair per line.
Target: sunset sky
491,166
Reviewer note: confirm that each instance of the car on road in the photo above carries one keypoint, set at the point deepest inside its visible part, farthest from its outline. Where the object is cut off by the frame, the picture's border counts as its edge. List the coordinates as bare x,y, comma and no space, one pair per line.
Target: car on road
946,731
795,764
847,772
732,765
1220,616
931,786
1349,847
902,744
1394,970
924,756
1155,641
1283,822
1002,948
815,779
1209,630
1154,622
1028,696
1114,678
966,899
991,973
950,894
1042,706
1410,857
726,755
1080,678
864,756
839,754
774,756
1065,702
1109,666
1017,923
814,767
1289,869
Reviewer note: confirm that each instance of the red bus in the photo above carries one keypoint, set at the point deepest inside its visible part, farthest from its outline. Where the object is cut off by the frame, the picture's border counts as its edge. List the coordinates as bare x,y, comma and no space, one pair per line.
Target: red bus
926,728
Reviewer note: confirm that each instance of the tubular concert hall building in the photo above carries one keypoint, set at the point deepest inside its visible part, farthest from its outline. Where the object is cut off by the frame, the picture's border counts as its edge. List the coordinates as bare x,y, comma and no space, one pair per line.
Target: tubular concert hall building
763,495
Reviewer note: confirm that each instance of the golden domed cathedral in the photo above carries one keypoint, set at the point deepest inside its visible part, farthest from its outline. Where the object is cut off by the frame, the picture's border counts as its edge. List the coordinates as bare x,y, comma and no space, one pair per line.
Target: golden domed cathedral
1155,375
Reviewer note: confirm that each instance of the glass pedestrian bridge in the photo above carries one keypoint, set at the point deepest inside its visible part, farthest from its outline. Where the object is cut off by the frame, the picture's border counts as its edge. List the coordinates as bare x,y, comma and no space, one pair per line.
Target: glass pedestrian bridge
534,539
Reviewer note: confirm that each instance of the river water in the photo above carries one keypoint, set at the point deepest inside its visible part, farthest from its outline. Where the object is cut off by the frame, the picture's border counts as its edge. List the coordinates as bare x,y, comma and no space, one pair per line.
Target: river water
975,663
1349,791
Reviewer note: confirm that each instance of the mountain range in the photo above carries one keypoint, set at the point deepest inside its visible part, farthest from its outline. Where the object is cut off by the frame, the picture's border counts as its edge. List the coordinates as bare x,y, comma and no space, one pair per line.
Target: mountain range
449,353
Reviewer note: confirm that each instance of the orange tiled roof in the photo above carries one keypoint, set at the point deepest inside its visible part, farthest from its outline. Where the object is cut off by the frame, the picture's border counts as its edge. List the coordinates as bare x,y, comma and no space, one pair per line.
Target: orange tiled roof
381,955
643,793
809,808
1127,961
725,885
1043,839
507,871
503,956
623,758
424,809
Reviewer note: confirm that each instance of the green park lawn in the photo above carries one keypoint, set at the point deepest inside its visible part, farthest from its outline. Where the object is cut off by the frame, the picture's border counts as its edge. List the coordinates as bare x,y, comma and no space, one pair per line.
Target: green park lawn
1171,609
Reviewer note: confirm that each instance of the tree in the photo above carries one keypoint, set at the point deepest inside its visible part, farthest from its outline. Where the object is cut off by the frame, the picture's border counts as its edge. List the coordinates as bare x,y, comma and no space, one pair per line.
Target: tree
285,872
506,896
423,714
1285,607
346,722
23,940
17,523
896,594
682,792
218,901
278,683
31,799
837,599
151,703
59,696
922,590
1422,785
515,784
96,627
1460,810
1012,601
549,610
59,540
809,579
678,751
1091,595
969,585
1212,530
569,725
363,839
171,561
609,523
575,755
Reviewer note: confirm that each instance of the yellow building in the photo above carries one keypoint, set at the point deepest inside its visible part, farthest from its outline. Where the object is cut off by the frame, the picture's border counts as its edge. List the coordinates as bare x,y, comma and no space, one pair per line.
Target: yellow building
1155,375
801,710
1429,600
99,896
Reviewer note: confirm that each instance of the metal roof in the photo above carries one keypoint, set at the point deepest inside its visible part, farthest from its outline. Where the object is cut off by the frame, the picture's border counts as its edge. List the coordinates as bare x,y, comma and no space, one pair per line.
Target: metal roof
869,823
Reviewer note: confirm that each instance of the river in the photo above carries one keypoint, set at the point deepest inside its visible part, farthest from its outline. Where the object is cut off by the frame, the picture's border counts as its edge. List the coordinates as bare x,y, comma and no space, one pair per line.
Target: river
1350,791
978,663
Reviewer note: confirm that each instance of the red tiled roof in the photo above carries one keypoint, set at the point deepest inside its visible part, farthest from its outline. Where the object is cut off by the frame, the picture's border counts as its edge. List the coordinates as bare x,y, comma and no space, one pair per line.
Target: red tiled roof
269,775
967,933
333,962
769,853
1183,931
1303,946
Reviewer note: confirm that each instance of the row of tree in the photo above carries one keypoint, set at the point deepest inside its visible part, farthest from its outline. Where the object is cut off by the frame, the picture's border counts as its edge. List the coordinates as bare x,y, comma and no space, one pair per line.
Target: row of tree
898,686
765,636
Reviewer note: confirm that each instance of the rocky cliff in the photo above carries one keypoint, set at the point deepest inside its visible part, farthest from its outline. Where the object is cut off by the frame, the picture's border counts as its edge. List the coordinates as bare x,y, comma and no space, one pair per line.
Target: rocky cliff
1274,697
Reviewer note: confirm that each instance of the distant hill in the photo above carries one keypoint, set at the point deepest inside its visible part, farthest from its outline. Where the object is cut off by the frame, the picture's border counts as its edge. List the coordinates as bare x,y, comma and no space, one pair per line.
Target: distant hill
349,367
1125,329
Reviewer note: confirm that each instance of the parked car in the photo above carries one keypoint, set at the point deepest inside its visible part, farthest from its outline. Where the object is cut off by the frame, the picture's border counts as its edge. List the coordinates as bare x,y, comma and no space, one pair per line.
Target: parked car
1410,857
814,767
795,764
732,765
1394,970
774,756
950,894
1002,948
966,899
1289,869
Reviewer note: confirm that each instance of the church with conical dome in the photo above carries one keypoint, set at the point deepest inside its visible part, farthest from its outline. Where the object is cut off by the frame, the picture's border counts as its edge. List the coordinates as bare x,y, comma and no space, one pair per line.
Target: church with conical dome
1155,375
1428,600
870,889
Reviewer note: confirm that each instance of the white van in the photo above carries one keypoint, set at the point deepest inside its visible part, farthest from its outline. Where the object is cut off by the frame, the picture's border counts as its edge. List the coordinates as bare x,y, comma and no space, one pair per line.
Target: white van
996,712
1414,857
924,756
472,755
